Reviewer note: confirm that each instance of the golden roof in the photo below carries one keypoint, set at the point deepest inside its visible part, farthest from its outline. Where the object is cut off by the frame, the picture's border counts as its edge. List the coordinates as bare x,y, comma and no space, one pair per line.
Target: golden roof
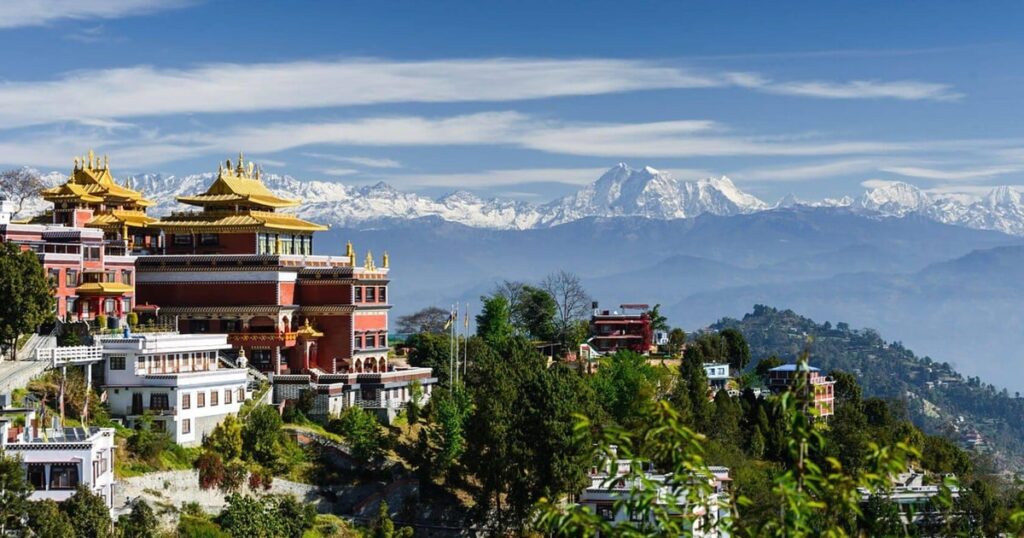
104,288
238,185
91,183
118,218
308,331
251,219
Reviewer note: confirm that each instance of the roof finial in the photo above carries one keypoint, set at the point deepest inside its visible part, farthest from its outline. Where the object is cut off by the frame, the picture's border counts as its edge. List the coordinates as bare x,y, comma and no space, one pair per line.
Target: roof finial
106,162
92,159
241,164
385,260
76,163
350,252
369,261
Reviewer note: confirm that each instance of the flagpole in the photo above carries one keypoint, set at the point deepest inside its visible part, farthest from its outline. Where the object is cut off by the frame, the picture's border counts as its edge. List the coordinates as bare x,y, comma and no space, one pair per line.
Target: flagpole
465,352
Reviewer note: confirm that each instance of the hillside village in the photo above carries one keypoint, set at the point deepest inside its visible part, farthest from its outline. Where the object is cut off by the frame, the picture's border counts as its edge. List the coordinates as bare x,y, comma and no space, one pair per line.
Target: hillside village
206,371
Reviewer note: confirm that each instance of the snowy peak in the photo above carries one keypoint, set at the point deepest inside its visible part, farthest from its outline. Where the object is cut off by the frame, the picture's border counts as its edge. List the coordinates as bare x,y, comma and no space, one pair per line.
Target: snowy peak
1003,196
651,193
896,198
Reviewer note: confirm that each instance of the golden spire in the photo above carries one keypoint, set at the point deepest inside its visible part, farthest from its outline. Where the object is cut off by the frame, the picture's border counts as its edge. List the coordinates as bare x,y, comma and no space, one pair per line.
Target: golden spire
76,163
350,252
277,246
384,261
106,163
92,159
369,261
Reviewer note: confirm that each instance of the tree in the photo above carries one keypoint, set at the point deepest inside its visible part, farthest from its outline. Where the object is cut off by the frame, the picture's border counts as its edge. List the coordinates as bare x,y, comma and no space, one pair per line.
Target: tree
247,517
446,435
14,492
211,469
534,313
427,320
737,349
431,350
690,392
226,439
28,299
383,527
88,513
766,364
573,304
361,431
658,321
726,419
140,523
47,521
523,416
493,323
624,385
676,342
21,184
146,442
412,410
261,435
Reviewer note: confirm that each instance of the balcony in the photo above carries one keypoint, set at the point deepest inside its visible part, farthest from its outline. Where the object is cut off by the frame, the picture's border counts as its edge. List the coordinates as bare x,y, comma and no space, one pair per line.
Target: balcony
283,339
134,411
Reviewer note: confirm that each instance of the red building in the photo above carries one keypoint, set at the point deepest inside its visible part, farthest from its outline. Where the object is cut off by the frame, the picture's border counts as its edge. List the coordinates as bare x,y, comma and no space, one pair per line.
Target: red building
239,266
629,329
821,387
85,241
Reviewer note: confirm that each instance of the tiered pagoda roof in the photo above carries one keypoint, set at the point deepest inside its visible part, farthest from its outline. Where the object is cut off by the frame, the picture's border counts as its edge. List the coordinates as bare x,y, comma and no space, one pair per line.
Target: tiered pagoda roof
238,200
92,185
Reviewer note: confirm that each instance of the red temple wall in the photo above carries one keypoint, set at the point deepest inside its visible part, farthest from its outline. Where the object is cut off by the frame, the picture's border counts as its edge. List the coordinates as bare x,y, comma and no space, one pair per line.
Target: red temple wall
312,293
236,243
336,343
371,322
207,293
287,292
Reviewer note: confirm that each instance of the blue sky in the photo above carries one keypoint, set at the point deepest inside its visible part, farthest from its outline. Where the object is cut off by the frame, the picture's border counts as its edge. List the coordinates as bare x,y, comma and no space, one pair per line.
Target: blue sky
522,99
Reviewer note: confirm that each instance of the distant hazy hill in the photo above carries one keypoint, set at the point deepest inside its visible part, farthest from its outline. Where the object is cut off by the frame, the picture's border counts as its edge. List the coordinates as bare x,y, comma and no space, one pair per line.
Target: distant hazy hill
938,398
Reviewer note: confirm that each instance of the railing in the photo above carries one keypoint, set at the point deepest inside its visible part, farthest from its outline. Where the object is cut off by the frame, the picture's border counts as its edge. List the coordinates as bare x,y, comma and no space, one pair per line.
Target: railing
132,410
263,337
58,356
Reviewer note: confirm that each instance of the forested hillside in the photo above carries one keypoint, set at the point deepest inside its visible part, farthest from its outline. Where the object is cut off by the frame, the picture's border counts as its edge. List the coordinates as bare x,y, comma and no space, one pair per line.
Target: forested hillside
937,398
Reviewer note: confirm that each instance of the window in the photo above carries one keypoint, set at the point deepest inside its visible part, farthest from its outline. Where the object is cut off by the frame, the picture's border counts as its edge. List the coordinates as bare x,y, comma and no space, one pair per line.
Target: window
370,294
227,396
606,512
159,426
241,394
359,341
159,402
182,239
109,306
636,517
186,426
231,325
117,362
371,341
126,276
91,253
359,294
54,276
198,326
200,399
71,279
209,239
260,358
37,475
63,476
382,294
214,398
186,401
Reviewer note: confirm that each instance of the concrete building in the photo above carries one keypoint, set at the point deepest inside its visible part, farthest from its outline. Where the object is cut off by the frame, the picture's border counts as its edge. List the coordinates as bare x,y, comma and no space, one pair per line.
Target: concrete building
383,393
58,460
913,497
607,488
821,387
178,378
628,328
718,375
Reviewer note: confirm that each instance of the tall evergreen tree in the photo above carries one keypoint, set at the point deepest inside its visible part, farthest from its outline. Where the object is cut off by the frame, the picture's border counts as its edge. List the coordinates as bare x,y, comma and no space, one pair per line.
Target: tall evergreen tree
27,297
14,492
494,322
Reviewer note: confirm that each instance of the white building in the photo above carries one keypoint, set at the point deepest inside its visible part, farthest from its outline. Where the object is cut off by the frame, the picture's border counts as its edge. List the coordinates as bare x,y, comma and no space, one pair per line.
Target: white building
383,393
176,377
7,209
606,490
912,496
57,461
718,374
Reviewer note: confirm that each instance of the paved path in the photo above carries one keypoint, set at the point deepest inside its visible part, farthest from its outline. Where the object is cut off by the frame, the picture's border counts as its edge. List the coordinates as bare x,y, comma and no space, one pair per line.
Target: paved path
17,374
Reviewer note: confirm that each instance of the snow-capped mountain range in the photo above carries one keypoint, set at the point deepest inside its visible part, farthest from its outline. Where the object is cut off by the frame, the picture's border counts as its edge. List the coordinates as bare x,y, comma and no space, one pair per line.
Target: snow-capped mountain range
621,191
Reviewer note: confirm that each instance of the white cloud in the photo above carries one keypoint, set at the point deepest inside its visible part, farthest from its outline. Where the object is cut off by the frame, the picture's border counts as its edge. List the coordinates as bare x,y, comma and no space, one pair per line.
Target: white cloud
807,172
866,89
491,178
953,175
877,183
234,88
369,162
18,13
338,172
